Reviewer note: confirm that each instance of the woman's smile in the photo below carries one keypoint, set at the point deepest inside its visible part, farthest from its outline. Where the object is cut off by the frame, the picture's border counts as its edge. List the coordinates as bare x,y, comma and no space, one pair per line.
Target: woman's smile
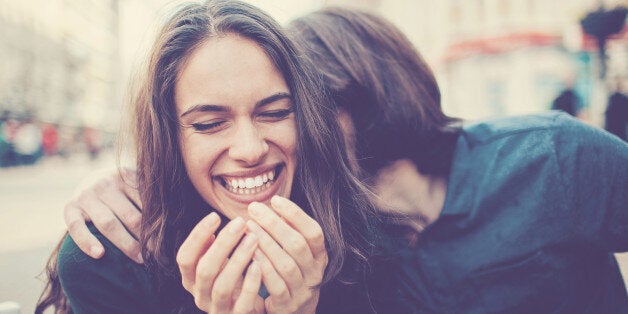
252,186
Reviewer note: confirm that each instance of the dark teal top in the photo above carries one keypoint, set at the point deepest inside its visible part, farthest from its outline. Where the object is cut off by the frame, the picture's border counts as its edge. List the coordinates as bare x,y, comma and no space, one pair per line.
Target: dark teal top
112,284
535,207
116,284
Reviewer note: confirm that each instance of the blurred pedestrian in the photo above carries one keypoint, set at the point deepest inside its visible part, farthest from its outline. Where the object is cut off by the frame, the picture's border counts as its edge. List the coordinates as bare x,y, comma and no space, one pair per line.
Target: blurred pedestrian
5,144
27,142
50,139
617,114
568,101
8,128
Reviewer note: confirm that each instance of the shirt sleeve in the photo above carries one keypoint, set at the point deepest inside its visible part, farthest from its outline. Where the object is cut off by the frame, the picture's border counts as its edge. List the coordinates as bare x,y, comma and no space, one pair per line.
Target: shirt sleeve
594,170
112,284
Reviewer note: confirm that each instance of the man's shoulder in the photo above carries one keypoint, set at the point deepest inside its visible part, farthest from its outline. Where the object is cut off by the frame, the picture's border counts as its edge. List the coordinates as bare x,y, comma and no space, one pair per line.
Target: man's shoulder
503,126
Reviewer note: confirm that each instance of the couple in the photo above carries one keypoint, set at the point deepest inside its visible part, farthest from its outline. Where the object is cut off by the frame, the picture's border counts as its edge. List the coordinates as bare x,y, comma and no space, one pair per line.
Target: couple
251,202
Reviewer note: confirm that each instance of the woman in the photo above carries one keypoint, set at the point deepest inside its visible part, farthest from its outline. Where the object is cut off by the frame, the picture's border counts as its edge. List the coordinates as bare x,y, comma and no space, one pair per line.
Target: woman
523,213
228,121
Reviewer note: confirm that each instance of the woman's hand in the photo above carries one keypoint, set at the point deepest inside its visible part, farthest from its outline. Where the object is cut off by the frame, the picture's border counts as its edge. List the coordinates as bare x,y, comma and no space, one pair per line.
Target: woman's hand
292,255
212,267
111,201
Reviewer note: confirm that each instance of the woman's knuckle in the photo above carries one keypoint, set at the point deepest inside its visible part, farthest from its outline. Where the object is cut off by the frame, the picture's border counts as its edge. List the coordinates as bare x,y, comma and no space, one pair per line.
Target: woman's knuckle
205,274
287,268
297,245
182,259
317,236
201,303
220,292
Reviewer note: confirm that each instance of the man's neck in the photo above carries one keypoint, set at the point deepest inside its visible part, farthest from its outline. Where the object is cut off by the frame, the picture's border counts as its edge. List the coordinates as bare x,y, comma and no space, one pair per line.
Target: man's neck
403,189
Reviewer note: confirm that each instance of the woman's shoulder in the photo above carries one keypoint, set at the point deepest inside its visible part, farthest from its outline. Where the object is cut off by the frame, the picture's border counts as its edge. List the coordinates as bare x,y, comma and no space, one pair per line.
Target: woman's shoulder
71,258
112,283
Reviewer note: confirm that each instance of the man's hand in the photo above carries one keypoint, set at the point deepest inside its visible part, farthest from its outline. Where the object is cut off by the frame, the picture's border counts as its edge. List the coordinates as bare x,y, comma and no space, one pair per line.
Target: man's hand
109,200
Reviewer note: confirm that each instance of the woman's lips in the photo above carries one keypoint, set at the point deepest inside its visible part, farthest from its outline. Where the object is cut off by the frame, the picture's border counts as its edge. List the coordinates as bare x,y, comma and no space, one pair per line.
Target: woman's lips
259,187
247,185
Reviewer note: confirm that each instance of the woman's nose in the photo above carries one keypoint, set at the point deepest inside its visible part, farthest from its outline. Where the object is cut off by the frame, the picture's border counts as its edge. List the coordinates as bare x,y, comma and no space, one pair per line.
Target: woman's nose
249,145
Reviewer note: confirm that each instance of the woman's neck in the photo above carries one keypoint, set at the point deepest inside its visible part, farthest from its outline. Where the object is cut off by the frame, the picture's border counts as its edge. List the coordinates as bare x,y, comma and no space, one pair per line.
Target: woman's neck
403,189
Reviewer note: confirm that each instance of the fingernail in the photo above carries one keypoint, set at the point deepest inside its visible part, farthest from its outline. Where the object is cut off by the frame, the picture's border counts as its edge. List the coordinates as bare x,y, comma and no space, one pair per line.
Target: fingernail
249,241
212,219
236,225
96,251
255,208
277,200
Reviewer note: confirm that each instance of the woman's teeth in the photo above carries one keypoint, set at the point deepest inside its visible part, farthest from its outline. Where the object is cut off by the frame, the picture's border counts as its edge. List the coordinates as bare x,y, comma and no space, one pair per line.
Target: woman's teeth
250,185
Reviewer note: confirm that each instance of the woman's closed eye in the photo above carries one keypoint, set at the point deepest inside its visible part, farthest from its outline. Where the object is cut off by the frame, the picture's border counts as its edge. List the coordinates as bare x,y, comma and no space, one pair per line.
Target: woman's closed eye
275,115
209,127
214,126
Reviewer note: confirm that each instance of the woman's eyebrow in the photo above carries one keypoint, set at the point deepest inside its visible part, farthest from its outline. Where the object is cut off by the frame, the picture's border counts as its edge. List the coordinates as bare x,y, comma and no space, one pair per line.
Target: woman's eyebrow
272,98
218,108
204,108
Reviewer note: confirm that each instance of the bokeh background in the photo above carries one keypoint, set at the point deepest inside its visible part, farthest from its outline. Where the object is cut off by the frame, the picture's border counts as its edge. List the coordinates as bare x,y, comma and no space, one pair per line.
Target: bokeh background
65,65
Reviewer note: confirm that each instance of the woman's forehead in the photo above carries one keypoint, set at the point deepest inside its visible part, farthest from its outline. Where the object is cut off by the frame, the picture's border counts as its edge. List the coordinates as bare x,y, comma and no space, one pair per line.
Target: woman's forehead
228,70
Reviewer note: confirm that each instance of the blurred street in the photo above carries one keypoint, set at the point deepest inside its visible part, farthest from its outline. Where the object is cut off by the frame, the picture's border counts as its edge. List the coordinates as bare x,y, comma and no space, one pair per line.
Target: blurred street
31,204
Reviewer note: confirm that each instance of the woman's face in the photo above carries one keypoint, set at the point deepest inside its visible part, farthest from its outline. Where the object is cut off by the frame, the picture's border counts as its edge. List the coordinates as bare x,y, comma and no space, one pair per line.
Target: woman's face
238,133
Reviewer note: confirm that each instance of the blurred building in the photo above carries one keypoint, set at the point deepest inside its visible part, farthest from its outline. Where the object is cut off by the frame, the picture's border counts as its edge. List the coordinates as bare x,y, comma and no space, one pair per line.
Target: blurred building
491,57
502,57
59,61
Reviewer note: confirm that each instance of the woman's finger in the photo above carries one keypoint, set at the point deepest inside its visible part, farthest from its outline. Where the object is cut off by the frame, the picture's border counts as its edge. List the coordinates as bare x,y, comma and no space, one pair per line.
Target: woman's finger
277,288
302,222
212,262
248,297
222,293
290,240
285,265
311,231
194,246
